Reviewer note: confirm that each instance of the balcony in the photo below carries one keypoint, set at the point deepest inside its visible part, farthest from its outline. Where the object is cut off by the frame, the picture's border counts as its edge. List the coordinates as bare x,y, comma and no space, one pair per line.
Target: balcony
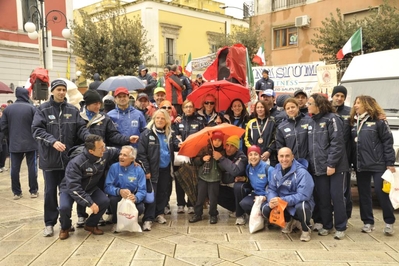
284,4
170,59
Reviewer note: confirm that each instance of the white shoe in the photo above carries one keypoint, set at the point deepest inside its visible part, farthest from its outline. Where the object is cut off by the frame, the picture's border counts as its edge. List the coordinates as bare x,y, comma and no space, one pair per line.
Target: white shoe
113,230
191,210
368,228
317,227
388,230
147,226
180,209
241,220
288,227
339,235
305,236
48,231
160,219
167,210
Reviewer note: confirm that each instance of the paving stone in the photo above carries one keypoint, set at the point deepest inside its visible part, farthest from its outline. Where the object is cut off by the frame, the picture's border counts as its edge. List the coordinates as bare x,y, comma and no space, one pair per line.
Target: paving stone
145,254
116,258
19,259
203,261
345,256
207,250
232,254
175,262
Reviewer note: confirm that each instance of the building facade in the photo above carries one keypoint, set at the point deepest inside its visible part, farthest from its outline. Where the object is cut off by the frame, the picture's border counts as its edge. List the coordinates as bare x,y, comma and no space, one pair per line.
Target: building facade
289,25
19,55
176,28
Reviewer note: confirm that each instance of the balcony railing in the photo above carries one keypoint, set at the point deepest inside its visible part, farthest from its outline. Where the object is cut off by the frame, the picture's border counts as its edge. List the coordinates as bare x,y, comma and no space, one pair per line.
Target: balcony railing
170,59
283,4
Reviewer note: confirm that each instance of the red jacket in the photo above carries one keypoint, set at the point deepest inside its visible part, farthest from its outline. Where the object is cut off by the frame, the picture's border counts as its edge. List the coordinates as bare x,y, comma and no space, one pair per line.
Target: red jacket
173,88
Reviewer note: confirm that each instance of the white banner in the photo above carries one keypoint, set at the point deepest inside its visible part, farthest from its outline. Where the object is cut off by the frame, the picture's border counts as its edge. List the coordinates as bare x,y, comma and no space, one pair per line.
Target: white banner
201,63
327,78
289,78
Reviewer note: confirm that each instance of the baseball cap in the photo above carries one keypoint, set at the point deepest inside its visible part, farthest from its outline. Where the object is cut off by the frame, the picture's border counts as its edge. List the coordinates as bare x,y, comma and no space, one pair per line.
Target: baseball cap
269,92
108,98
121,90
300,91
199,76
141,96
159,89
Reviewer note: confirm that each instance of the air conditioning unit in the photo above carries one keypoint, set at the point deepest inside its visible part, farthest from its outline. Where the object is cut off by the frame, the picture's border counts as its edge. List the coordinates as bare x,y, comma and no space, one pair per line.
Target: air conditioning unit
302,21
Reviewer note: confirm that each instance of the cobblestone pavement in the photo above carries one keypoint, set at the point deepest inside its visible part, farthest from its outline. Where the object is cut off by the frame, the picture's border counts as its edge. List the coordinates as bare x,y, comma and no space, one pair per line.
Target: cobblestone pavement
178,242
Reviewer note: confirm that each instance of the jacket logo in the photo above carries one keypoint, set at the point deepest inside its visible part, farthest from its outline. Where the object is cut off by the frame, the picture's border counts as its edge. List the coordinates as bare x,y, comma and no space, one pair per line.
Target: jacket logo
194,126
287,183
151,137
261,176
181,126
89,170
305,126
369,124
67,116
322,125
287,129
131,178
52,117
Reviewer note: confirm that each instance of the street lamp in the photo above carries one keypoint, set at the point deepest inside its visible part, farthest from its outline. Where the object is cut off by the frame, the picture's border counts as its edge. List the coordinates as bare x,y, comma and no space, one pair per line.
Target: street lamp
54,16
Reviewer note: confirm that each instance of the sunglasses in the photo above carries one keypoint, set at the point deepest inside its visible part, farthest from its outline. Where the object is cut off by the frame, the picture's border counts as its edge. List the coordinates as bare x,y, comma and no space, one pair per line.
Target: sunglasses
211,103
167,107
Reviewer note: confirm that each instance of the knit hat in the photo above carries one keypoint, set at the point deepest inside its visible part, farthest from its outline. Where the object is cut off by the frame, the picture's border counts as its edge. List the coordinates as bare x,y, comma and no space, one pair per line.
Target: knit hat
340,89
217,135
254,148
281,99
121,90
91,96
58,82
234,140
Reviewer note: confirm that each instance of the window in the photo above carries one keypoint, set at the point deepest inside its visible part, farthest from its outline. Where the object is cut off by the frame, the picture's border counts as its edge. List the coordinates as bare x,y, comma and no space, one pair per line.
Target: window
285,37
27,12
169,51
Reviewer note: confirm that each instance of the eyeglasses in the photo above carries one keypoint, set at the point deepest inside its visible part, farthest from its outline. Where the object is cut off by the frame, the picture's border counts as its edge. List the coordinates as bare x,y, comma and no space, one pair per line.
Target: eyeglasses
167,107
188,106
211,103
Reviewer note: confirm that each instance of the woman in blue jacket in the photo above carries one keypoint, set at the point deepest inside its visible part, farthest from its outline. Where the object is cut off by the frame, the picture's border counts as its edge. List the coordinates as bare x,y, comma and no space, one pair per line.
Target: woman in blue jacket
125,180
373,155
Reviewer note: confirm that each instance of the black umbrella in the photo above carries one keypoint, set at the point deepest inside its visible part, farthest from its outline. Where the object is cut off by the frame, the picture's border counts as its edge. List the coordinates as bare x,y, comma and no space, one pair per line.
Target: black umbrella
131,83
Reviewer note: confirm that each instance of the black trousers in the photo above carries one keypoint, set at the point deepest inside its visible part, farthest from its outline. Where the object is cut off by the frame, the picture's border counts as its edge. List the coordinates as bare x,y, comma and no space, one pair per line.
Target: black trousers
210,189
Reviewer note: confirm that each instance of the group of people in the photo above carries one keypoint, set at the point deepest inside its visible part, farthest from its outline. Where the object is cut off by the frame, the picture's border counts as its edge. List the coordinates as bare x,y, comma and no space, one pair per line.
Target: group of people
301,154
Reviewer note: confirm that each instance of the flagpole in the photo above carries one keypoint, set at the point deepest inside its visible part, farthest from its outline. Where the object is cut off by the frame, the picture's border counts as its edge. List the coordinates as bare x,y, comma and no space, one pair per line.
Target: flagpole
361,40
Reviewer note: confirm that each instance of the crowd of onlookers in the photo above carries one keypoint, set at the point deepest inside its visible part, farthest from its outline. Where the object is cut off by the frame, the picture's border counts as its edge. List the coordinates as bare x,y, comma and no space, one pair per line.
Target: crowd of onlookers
297,148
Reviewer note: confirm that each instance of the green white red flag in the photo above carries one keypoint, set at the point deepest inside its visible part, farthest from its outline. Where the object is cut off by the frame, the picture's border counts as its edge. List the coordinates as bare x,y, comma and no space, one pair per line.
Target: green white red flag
189,67
250,75
354,44
259,58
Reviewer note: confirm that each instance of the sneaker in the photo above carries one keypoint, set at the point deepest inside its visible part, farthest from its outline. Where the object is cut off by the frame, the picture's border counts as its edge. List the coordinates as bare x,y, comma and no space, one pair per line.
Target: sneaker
367,228
232,214
81,222
108,220
388,230
305,236
48,231
317,227
191,210
213,220
180,209
113,230
195,218
339,235
160,219
288,227
4,169
241,220
147,226
17,197
102,222
324,232
34,195
167,210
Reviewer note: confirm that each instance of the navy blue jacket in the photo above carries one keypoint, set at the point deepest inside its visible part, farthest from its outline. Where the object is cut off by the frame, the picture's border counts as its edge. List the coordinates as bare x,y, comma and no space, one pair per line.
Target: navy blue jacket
373,150
149,150
84,172
189,125
57,122
326,144
232,166
264,84
151,83
16,123
344,112
293,133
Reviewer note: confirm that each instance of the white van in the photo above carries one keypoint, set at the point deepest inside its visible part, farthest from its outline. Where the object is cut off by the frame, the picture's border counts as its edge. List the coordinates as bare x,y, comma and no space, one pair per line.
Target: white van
377,74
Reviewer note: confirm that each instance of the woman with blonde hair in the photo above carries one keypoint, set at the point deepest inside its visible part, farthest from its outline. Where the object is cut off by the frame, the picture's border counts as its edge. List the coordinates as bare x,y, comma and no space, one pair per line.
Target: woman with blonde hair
374,154
156,154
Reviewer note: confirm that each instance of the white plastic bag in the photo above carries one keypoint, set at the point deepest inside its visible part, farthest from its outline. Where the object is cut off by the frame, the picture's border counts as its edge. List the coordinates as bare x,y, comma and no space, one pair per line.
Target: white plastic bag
256,220
180,159
393,178
127,217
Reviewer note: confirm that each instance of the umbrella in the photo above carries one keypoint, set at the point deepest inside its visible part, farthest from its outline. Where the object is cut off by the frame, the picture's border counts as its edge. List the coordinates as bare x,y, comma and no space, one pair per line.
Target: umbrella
4,88
187,175
130,82
195,142
223,90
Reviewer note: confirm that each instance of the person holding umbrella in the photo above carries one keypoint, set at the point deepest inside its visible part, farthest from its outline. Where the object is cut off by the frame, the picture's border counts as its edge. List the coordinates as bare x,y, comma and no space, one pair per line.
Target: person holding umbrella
261,131
209,176
156,153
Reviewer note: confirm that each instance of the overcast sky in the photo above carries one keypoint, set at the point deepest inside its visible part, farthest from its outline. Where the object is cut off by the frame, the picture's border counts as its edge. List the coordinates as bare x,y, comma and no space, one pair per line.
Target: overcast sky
229,11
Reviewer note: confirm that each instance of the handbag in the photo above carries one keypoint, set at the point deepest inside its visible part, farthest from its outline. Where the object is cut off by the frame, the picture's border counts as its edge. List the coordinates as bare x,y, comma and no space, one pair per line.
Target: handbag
127,217
180,159
149,197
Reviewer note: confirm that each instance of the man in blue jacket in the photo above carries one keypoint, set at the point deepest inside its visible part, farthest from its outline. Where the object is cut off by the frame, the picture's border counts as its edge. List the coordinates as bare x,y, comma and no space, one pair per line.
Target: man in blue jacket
80,184
56,126
291,182
16,124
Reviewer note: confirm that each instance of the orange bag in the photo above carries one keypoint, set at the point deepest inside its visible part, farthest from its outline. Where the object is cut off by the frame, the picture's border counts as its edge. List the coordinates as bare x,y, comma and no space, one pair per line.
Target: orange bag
277,213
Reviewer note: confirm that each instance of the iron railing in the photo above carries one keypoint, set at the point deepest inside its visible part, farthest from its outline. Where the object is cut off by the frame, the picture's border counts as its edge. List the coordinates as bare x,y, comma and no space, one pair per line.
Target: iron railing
283,4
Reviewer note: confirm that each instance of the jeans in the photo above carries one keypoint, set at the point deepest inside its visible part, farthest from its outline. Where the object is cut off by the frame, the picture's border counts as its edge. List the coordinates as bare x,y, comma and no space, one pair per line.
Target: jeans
16,161
52,181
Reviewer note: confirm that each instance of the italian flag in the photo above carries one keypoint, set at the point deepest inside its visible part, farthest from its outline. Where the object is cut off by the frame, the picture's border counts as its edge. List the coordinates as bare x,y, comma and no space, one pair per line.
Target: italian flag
352,45
259,58
189,67
250,75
